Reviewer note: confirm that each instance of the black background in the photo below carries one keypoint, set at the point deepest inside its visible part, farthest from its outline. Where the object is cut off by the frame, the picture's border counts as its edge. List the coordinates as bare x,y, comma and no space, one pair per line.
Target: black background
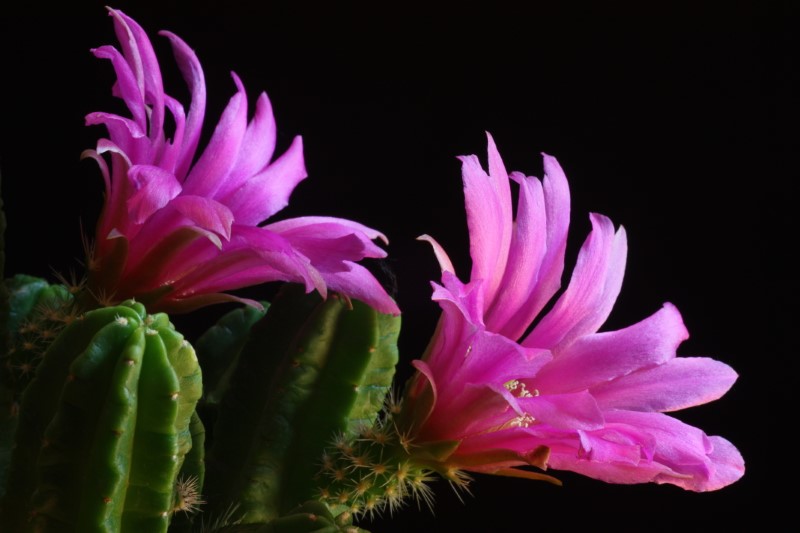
677,120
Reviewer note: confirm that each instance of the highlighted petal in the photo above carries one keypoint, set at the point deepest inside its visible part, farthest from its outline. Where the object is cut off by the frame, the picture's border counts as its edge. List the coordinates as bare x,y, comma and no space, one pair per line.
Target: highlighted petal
592,291
205,213
677,384
154,189
596,359
217,160
266,193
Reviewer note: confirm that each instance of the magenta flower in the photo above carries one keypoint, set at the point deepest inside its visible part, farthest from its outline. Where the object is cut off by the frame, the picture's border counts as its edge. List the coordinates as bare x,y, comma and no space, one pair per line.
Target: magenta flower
176,232
564,395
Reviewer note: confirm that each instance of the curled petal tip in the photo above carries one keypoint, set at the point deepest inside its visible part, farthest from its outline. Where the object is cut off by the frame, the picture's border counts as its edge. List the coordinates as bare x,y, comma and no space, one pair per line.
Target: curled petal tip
444,260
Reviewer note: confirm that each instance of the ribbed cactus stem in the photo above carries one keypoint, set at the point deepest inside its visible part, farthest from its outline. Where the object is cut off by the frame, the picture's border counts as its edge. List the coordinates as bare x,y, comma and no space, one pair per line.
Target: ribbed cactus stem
310,369
104,428
37,313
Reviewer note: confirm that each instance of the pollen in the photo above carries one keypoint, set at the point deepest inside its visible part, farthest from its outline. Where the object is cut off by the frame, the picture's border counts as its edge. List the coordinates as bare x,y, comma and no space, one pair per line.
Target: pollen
522,421
521,390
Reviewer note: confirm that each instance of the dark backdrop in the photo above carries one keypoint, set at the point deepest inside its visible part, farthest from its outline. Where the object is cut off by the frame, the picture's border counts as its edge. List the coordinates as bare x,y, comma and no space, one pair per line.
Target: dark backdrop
677,120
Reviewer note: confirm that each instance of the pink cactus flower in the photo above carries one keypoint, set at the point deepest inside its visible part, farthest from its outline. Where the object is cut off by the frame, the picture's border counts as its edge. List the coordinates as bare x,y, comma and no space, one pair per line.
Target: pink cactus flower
560,395
176,231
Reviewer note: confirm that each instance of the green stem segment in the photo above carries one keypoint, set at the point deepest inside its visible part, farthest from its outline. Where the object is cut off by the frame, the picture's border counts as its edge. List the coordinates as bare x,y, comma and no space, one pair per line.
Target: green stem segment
311,370
104,427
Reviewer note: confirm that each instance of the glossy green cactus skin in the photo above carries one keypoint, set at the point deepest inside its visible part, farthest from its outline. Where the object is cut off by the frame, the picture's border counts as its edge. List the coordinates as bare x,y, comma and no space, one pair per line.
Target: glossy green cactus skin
311,370
104,427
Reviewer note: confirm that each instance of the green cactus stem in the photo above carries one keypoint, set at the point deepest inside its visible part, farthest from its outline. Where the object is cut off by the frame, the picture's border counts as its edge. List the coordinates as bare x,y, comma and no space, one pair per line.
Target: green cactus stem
378,471
37,312
218,348
311,369
33,313
104,427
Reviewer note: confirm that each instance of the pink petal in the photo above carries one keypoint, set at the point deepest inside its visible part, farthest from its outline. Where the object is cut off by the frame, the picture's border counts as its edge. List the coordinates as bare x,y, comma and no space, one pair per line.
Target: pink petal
557,213
489,232
357,282
677,384
92,154
213,166
470,410
291,225
592,291
193,75
154,188
727,462
125,134
141,53
257,147
186,303
328,241
126,85
242,268
488,358
441,256
169,158
510,312
595,359
205,213
129,47
688,456
463,300
460,303
266,193
576,410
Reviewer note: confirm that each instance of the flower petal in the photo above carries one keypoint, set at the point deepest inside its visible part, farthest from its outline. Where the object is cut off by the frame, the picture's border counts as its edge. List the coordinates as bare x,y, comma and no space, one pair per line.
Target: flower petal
205,213
216,161
557,213
154,188
193,76
595,359
126,86
139,51
290,225
267,192
257,147
509,312
677,384
488,200
592,291
357,282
